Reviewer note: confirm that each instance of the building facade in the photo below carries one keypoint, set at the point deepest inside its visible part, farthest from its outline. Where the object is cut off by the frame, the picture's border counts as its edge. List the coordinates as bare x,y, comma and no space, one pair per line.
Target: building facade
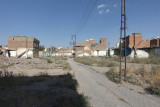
23,46
90,48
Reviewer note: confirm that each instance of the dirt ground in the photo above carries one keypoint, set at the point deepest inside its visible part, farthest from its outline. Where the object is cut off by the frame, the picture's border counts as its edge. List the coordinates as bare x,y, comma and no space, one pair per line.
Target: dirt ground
31,67
38,82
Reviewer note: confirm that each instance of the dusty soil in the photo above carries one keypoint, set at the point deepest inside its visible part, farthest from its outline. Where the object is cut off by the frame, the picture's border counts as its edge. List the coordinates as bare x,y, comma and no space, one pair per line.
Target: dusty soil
31,67
38,82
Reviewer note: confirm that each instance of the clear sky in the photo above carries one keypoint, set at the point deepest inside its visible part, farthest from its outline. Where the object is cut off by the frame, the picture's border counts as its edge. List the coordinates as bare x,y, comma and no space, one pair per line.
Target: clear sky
54,21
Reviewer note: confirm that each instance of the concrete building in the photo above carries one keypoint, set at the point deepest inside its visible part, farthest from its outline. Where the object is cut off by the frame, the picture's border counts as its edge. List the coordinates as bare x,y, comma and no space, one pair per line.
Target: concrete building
155,47
133,40
100,49
22,46
90,48
155,42
63,52
138,47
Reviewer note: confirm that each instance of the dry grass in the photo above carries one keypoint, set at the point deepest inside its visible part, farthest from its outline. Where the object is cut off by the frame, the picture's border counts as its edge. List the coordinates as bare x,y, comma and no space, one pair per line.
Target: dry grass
57,62
150,60
4,66
66,66
146,78
60,58
150,80
113,75
85,60
96,61
103,63
63,65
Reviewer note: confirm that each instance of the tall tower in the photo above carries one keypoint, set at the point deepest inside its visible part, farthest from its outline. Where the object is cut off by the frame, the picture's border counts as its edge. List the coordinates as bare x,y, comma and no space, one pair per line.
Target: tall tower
123,35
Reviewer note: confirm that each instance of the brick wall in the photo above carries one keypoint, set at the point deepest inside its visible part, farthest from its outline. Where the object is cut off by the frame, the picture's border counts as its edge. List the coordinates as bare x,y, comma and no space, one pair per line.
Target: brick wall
16,42
155,42
104,42
133,40
91,41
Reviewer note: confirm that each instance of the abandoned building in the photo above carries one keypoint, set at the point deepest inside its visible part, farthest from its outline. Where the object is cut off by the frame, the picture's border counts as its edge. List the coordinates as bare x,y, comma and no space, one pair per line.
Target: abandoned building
22,46
90,48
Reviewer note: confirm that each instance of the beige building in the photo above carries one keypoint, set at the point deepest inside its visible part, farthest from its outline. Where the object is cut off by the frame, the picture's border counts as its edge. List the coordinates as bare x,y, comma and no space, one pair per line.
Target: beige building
22,46
90,48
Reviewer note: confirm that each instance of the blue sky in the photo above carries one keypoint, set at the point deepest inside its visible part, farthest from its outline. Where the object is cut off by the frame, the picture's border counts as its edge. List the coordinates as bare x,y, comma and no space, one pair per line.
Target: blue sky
54,21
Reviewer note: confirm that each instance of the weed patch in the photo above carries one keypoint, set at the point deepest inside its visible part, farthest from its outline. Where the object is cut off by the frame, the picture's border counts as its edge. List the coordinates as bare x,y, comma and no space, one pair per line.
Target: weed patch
49,61
113,75
85,60
99,61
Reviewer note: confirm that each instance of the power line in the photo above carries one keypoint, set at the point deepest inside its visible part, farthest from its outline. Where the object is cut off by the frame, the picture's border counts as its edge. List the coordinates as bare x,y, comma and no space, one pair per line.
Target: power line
89,9
85,12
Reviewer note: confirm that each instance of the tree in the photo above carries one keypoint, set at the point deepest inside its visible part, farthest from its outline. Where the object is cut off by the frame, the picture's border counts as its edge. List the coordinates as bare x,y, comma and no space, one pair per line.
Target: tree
41,48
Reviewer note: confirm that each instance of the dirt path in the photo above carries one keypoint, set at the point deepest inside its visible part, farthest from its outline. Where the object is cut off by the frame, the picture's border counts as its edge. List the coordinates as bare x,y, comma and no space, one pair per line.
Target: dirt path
104,93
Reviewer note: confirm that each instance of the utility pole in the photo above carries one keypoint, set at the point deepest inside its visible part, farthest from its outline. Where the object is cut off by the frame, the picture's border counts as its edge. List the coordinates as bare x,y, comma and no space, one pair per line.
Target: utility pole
73,38
108,49
123,32
51,51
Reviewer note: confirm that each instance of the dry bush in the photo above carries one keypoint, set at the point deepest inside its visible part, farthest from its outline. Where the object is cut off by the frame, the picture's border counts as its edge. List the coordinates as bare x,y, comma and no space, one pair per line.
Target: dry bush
49,61
63,65
143,76
66,66
153,77
113,75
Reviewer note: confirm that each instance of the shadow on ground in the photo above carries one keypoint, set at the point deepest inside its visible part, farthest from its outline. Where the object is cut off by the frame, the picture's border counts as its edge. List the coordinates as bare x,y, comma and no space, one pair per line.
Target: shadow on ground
40,91
154,90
